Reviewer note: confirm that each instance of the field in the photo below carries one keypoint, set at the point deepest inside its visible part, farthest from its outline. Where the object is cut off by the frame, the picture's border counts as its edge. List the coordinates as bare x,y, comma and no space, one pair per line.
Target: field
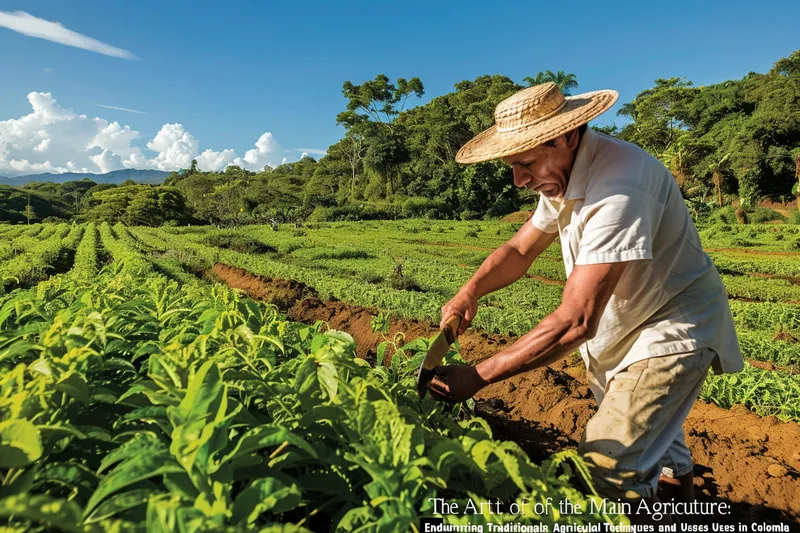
206,379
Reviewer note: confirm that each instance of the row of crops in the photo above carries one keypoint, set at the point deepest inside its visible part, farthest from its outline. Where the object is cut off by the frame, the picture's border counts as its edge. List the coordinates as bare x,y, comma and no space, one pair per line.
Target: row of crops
134,402
410,269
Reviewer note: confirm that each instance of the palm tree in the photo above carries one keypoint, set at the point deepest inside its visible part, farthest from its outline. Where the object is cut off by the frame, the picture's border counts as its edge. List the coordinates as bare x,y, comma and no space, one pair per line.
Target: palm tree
565,82
538,80
715,168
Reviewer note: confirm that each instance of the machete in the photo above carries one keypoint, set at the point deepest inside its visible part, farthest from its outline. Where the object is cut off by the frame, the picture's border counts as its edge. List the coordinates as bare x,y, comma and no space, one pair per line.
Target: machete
436,353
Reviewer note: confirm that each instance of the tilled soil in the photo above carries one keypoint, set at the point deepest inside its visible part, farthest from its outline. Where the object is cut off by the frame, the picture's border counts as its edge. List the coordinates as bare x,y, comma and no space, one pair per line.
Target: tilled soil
751,462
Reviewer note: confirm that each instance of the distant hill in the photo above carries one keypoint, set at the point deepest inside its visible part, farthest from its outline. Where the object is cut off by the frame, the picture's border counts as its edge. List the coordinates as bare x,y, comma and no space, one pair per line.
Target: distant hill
116,177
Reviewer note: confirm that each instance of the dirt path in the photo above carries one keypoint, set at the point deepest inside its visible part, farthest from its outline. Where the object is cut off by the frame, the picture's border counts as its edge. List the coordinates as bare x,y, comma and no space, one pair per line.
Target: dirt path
794,280
749,461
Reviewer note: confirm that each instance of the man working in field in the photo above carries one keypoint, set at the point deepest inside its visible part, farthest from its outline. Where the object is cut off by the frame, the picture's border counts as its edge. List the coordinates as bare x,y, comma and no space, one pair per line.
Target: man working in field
642,300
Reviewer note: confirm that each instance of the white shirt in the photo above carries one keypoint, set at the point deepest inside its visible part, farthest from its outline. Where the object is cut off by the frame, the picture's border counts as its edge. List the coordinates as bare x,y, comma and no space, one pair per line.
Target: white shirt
622,204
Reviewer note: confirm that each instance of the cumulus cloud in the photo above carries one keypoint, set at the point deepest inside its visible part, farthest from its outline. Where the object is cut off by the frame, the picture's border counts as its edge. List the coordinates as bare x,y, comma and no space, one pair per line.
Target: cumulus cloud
26,24
256,158
56,139
176,147
107,161
211,160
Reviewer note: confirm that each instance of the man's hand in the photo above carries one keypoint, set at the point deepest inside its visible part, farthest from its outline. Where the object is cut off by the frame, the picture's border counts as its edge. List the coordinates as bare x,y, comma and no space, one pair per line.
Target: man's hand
463,304
456,383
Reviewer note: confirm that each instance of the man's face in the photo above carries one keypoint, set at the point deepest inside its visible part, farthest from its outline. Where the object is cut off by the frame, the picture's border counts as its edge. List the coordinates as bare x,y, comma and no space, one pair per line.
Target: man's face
545,169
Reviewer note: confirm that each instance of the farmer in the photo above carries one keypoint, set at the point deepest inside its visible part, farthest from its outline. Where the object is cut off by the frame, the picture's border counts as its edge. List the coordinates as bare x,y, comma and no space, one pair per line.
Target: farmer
642,301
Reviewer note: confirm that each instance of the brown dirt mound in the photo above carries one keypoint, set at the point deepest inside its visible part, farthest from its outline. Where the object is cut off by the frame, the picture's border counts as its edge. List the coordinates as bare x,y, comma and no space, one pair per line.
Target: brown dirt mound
766,365
281,292
783,335
743,459
517,217
793,279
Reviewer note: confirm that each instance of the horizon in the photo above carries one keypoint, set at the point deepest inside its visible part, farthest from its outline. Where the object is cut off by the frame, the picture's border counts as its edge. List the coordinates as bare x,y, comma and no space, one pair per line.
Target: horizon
98,88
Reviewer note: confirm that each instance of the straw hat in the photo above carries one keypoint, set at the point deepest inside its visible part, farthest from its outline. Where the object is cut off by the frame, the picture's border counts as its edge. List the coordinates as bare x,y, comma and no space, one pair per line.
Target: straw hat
531,117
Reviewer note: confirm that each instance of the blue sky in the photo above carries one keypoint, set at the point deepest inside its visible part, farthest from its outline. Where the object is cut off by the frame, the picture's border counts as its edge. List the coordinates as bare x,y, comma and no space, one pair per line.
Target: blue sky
228,73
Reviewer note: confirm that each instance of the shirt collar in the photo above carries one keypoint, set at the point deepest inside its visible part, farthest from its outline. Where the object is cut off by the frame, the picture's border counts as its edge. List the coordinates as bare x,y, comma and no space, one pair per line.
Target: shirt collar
579,177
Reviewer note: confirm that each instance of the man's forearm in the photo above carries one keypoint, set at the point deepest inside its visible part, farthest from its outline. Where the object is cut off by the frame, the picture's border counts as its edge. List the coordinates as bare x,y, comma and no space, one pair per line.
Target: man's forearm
555,336
503,267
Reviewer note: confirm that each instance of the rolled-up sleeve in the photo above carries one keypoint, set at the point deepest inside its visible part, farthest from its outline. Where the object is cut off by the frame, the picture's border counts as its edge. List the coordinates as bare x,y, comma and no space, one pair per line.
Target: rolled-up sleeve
545,217
619,227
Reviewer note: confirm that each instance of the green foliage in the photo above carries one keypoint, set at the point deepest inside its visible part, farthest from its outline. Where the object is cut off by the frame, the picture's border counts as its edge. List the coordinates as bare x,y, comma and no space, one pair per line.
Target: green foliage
133,403
565,82
745,131
755,215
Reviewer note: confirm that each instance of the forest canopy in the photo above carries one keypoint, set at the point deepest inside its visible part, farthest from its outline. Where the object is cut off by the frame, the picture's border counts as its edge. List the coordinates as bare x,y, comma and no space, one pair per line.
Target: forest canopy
738,140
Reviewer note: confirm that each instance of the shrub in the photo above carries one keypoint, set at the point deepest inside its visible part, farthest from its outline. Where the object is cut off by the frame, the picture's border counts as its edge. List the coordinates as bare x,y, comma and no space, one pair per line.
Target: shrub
423,208
239,243
763,214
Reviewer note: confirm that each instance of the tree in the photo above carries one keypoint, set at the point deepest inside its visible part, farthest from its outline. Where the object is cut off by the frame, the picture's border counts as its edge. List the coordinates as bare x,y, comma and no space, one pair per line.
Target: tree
538,80
376,100
354,150
143,209
716,175
29,212
565,82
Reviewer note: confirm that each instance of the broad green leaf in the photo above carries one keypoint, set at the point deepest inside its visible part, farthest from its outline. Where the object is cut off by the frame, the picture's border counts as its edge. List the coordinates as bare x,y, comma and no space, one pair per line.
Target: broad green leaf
75,386
158,367
328,377
120,502
205,393
142,444
267,437
20,443
70,475
263,495
306,379
181,484
131,471
16,349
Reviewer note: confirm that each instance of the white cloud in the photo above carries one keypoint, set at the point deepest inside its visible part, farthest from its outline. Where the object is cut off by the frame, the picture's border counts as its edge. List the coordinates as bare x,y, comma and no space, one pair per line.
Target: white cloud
42,147
107,161
176,147
121,109
211,160
265,151
115,138
26,24
55,139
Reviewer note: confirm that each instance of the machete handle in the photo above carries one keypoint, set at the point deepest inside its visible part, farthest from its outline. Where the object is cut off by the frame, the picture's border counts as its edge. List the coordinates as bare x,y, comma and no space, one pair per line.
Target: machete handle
451,328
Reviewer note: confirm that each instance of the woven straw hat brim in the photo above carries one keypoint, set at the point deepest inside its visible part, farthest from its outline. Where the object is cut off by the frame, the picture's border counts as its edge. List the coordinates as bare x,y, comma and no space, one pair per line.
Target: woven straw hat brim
578,110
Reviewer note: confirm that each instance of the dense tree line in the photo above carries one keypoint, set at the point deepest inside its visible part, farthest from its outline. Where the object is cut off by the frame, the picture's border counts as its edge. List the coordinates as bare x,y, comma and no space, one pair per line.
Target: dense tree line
739,139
